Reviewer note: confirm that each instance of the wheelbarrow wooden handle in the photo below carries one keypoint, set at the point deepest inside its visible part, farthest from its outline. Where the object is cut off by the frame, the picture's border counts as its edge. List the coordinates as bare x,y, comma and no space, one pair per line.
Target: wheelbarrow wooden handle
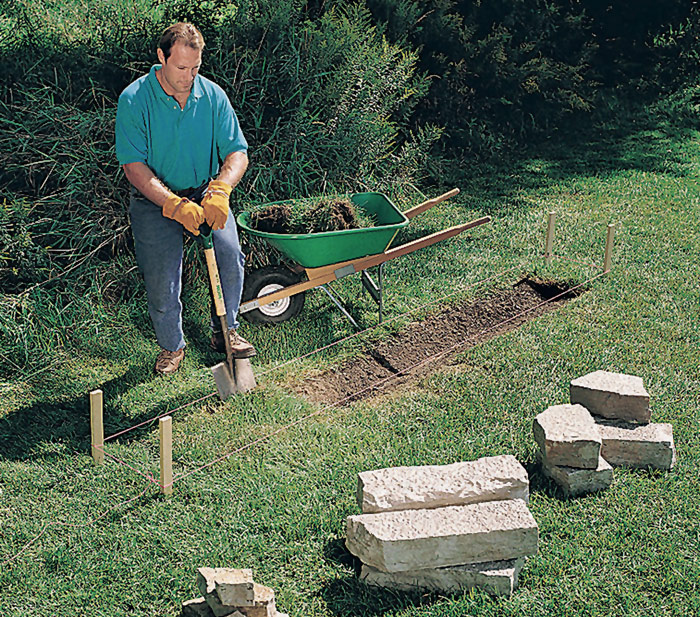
355,265
426,205
331,272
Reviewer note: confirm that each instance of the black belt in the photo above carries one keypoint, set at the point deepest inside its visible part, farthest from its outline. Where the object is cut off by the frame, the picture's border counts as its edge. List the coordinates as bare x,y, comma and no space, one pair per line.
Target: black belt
195,192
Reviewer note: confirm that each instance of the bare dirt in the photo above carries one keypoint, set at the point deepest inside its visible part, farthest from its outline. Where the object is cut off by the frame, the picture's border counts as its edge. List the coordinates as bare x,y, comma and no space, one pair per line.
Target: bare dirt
425,345
272,219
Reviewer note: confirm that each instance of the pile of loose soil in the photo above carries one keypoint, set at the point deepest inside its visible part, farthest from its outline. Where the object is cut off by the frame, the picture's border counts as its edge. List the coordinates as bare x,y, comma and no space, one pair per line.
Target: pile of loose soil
309,216
423,346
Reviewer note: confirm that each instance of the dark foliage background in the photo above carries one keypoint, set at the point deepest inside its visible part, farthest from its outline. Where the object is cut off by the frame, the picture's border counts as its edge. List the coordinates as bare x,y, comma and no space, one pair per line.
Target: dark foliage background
505,71
333,97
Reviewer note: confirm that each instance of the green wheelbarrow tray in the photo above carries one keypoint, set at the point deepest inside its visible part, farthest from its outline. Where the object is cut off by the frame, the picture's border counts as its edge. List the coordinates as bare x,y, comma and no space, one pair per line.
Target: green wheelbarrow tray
318,249
274,294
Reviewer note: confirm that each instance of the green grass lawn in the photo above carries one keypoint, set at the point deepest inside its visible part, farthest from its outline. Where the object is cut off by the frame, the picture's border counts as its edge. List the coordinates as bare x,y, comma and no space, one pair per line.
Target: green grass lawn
279,507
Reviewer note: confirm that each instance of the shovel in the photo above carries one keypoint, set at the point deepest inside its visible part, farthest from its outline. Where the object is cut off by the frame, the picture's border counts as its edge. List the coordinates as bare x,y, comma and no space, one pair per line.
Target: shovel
233,375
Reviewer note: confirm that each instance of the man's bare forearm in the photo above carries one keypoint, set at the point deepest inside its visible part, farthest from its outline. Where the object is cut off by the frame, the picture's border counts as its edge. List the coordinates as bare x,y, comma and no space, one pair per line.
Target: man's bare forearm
233,168
150,186
146,182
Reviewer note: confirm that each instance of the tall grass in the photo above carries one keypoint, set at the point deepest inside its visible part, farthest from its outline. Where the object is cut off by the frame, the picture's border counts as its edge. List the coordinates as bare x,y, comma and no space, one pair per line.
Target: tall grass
323,104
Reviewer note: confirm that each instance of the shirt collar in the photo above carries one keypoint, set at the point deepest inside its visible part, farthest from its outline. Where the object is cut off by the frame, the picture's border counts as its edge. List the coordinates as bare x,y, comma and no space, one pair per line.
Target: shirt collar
197,90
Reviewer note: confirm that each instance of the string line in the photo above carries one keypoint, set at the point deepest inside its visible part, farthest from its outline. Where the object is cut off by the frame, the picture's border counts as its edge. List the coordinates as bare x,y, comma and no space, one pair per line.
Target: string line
71,526
383,382
318,350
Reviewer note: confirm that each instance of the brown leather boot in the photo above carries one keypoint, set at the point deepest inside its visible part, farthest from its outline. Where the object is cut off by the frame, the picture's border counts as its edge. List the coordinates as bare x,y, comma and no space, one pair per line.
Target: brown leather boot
168,362
240,348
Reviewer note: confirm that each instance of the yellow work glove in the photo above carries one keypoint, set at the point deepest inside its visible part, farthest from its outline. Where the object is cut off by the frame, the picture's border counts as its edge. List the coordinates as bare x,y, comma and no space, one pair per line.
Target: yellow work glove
215,203
185,212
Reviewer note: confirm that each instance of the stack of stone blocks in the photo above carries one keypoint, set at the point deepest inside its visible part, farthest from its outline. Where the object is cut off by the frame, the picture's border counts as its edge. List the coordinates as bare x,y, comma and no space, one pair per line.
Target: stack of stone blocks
606,425
444,528
230,592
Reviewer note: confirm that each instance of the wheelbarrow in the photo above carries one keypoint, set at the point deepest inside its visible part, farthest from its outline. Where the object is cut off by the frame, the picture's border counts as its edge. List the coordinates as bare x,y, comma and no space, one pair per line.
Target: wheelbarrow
274,294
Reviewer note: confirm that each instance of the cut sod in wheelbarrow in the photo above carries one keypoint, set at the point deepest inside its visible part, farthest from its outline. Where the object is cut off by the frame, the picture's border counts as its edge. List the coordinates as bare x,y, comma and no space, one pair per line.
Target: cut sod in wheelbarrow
276,293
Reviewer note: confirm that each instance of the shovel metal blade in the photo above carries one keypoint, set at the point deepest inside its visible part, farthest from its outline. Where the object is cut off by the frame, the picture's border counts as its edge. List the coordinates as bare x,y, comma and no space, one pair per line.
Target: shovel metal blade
225,383
243,379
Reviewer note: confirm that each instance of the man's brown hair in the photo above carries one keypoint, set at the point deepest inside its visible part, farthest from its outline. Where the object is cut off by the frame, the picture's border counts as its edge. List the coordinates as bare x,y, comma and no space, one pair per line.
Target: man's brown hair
183,32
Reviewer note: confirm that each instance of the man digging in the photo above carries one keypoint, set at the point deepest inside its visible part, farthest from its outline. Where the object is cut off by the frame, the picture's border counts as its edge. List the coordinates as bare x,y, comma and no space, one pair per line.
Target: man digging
173,128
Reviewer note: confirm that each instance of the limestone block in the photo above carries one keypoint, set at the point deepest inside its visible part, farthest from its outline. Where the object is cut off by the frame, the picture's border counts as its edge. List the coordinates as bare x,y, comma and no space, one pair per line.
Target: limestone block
499,578
645,446
235,587
612,395
448,536
196,608
216,607
263,604
568,435
492,478
580,481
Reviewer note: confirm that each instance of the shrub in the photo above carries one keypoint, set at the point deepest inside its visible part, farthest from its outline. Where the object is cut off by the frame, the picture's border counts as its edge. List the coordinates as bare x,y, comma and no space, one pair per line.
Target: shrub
502,71
325,104
505,71
23,262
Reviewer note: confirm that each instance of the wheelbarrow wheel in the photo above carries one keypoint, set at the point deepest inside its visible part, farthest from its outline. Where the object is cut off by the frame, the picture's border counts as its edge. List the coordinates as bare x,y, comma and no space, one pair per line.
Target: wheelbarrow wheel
267,280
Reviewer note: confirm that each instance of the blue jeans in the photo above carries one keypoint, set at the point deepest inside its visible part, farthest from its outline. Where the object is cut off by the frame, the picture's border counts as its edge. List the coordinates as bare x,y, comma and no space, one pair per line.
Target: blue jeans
158,242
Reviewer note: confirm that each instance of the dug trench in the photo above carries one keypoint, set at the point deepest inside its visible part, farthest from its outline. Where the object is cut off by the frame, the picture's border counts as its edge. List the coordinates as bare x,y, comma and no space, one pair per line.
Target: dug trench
425,345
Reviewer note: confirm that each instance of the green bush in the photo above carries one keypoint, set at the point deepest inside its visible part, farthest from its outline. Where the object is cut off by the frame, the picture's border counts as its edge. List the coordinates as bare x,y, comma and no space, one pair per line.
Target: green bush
505,71
23,262
502,71
324,103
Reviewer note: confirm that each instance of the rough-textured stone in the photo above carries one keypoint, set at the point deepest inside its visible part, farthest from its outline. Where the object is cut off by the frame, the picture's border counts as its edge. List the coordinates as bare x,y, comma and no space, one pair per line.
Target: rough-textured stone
491,478
612,395
580,481
499,578
258,611
645,446
568,435
262,606
233,586
438,537
196,608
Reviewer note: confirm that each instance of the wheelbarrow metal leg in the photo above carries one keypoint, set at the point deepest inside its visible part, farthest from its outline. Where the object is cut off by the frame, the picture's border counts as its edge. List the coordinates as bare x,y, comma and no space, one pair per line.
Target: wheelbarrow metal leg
374,289
336,300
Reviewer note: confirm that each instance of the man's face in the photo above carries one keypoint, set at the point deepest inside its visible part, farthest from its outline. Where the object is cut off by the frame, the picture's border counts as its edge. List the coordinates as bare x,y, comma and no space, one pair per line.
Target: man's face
179,70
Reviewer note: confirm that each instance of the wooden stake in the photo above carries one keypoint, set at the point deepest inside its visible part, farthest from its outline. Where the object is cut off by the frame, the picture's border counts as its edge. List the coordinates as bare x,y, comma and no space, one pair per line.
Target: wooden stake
97,432
609,248
166,455
550,238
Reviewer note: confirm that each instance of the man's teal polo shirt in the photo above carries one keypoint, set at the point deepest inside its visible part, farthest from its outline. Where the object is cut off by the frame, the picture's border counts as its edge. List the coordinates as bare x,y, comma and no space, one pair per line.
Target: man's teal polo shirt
182,147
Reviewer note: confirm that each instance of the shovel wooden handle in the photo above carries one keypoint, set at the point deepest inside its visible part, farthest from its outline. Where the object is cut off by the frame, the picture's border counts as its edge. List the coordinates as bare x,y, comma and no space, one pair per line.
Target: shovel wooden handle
217,292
